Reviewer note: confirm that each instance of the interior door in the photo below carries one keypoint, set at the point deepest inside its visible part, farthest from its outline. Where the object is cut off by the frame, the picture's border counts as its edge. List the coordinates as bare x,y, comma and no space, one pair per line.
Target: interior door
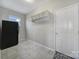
64,30
9,34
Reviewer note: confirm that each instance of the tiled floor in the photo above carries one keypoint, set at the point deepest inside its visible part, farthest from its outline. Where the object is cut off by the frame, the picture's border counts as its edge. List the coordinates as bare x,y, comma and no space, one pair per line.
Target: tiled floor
28,50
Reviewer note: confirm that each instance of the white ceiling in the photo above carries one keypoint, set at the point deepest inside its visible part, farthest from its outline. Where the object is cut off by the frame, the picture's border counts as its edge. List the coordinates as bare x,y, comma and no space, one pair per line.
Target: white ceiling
21,5
24,7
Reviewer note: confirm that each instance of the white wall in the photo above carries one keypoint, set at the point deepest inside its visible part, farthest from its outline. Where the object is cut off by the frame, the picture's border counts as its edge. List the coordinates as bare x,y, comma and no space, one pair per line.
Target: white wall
65,24
42,33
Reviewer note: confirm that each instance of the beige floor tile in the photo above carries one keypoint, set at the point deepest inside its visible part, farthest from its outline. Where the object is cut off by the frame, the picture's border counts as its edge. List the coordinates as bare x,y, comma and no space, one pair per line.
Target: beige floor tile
28,50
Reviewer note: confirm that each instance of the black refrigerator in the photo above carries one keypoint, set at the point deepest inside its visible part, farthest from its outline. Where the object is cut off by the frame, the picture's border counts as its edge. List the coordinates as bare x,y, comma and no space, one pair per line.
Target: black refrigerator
8,34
